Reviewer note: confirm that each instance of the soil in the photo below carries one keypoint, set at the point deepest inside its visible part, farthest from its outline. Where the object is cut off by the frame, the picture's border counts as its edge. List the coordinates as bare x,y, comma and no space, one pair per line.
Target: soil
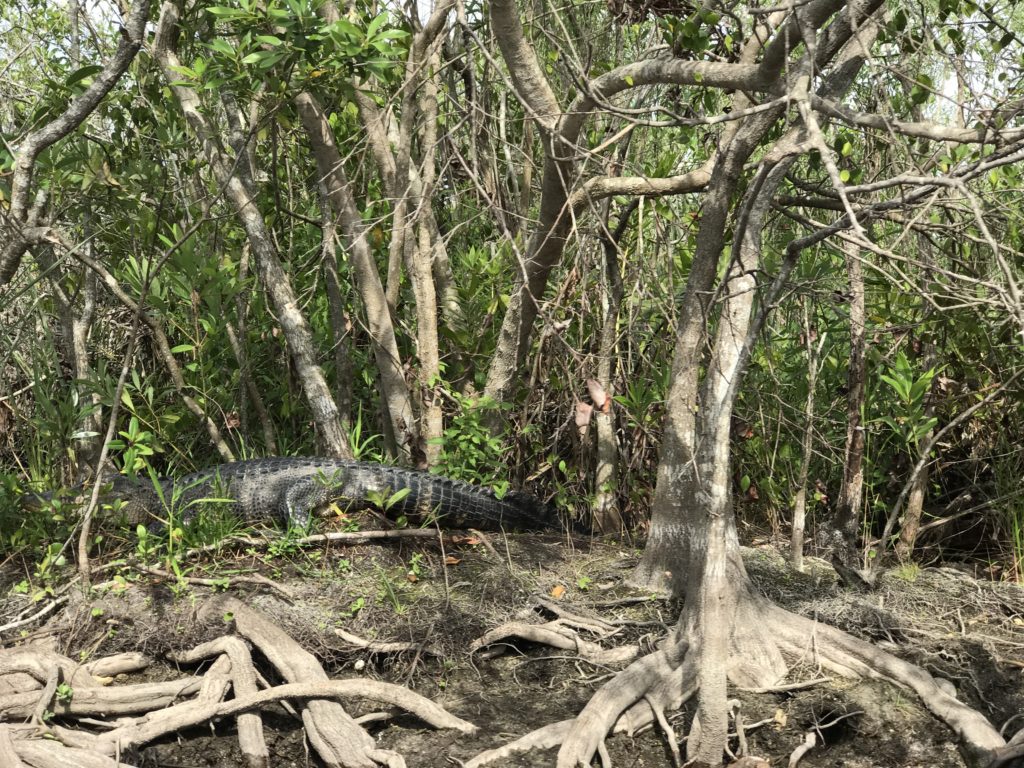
966,631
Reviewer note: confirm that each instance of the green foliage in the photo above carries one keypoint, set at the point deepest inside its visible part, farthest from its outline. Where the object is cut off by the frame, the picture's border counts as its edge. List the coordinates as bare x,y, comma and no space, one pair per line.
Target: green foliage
470,449
133,191
905,414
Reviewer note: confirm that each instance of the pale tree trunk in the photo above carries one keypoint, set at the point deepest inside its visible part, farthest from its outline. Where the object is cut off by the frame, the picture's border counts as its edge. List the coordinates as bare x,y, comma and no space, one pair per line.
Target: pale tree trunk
340,324
428,351
693,548
796,556
76,322
238,188
396,401
411,227
605,512
848,506
391,147
663,565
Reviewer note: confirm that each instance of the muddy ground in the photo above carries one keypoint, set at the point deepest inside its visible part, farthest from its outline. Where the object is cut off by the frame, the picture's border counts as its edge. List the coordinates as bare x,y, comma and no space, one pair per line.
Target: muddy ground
967,631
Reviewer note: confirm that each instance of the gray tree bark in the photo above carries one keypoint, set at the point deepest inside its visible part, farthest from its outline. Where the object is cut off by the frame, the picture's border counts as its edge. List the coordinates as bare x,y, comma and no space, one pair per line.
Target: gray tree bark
395,393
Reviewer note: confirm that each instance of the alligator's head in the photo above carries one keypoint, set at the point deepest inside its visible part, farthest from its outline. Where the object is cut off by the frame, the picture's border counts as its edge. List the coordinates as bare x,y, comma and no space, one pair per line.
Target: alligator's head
33,501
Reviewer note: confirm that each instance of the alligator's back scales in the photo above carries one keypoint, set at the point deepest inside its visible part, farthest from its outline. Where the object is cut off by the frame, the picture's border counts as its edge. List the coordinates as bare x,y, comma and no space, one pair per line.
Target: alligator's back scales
290,489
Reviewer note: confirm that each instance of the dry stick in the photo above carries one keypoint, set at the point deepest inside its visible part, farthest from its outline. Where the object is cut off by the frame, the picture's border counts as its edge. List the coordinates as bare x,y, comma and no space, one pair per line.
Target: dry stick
788,687
257,579
37,615
343,537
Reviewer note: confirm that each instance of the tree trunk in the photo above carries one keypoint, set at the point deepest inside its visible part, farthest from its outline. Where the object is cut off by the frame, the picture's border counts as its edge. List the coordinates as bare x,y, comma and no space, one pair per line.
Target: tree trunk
238,187
796,557
605,512
843,537
396,402
664,564
340,335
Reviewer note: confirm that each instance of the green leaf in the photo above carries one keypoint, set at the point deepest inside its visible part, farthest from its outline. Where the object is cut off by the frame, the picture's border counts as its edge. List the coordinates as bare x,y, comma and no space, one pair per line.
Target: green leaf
376,23
182,348
78,75
225,13
270,40
221,46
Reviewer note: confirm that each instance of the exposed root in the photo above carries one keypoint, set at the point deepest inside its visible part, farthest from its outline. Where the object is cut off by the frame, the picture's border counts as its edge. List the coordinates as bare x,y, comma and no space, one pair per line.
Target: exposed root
639,681
639,695
557,636
561,633
810,742
548,737
844,653
384,648
123,718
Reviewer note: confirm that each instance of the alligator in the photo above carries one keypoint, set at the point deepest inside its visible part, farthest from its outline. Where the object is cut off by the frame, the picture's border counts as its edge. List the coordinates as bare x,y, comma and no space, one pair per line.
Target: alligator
290,490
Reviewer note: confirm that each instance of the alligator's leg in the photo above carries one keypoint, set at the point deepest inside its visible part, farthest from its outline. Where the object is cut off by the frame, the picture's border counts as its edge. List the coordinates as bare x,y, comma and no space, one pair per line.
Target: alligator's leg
301,499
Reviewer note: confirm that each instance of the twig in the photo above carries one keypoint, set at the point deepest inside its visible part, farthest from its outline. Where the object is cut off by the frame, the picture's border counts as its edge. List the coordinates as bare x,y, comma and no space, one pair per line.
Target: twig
37,615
